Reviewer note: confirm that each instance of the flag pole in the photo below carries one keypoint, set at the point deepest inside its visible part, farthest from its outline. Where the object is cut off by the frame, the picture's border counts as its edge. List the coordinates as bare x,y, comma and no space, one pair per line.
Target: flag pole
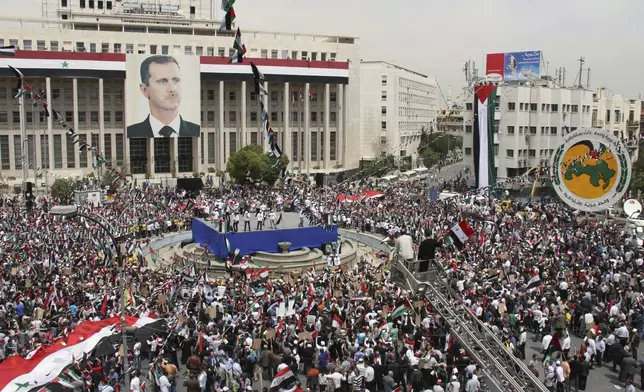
25,146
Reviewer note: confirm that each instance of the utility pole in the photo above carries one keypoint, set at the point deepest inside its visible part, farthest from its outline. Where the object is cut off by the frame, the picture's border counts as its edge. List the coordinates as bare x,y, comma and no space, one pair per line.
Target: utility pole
588,78
25,146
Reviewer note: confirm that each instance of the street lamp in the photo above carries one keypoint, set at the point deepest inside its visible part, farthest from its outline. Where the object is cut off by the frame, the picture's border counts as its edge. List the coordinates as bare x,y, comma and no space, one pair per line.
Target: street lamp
72,212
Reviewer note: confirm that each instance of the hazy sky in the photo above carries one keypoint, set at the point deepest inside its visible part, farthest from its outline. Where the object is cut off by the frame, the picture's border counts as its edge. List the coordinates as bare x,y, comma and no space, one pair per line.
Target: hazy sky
438,37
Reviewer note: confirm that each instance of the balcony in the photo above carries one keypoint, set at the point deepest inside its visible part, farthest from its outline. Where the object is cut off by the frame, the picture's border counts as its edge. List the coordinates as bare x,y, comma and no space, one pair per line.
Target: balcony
633,124
598,123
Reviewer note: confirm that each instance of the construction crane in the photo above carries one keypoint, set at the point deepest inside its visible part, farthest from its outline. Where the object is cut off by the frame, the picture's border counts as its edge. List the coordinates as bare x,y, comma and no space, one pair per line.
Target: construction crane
502,371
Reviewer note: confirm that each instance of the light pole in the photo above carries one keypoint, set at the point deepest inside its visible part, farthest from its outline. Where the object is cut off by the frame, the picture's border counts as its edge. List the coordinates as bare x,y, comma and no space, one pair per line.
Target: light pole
71,212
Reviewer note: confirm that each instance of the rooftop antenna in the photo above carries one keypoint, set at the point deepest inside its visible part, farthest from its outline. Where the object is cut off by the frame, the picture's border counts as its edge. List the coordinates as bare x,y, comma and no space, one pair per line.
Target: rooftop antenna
588,78
582,60
563,77
449,96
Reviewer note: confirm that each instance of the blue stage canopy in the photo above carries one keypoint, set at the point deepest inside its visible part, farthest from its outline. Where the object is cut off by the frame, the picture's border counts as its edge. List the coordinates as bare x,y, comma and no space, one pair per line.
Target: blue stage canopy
260,241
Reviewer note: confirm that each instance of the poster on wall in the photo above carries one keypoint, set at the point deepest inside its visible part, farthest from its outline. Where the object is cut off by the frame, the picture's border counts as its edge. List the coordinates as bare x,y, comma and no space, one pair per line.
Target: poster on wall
162,96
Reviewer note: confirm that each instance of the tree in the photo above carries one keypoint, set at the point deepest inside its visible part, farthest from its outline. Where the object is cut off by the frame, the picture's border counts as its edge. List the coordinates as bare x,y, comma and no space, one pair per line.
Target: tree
380,166
252,163
273,167
63,188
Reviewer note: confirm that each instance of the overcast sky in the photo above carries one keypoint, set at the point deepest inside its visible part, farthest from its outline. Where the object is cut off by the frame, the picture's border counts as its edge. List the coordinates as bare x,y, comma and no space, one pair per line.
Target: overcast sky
438,37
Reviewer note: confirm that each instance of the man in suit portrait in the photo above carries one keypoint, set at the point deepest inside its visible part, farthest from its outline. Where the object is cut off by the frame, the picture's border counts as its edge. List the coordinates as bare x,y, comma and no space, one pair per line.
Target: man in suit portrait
161,85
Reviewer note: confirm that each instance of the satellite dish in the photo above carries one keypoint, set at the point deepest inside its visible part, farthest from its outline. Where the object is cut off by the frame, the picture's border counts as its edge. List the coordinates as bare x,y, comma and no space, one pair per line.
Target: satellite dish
632,208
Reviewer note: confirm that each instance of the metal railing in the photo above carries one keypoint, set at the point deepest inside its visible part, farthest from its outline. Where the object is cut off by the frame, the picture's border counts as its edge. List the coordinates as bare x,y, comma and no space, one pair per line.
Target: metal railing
499,366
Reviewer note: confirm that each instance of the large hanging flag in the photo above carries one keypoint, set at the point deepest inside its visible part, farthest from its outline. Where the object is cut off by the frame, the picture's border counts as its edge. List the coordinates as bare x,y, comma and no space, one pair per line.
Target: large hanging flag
8,50
484,105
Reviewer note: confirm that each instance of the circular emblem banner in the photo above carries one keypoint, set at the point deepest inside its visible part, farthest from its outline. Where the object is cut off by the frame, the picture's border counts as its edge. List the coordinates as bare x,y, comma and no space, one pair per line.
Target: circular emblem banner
591,170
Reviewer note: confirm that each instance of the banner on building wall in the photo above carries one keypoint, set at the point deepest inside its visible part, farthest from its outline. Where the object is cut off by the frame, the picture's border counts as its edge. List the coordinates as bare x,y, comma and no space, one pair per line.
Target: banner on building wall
162,96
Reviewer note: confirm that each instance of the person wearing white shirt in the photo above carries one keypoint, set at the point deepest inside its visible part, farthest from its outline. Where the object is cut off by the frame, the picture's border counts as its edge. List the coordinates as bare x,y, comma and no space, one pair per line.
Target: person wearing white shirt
565,345
164,383
405,245
260,221
272,218
545,342
247,221
561,378
135,383
203,378
337,378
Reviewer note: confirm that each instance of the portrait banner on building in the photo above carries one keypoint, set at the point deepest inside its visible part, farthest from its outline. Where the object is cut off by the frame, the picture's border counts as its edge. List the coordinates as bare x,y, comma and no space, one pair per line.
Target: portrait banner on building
162,96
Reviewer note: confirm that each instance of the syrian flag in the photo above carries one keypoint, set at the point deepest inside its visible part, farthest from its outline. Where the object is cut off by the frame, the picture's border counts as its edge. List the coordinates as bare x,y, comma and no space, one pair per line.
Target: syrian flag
554,345
403,309
259,81
227,5
460,233
51,364
8,50
533,283
484,105
257,275
284,380
337,321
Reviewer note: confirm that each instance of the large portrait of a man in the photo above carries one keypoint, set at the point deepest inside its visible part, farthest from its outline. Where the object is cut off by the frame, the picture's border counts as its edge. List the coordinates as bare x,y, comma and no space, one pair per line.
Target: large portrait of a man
154,104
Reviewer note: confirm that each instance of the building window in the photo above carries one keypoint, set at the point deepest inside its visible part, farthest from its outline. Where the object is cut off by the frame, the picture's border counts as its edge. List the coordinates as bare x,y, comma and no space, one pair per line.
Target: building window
17,151
92,47
82,3
509,153
118,116
264,53
107,142
63,3
383,125
210,51
118,146
273,117
575,109
117,48
533,130
71,152
533,107
210,116
468,151
108,5
82,117
138,155
232,116
468,129
314,116
162,155
383,110
4,152
232,96
232,142
468,106
3,118
383,96
384,80
199,51
512,106
510,130
80,46
15,117
69,116
553,130
332,117
93,117
532,153
253,117
554,108
274,96
253,96
187,50
165,49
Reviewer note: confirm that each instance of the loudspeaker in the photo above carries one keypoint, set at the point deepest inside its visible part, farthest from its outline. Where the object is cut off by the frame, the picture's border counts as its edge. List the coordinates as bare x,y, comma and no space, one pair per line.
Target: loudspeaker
190,184
319,179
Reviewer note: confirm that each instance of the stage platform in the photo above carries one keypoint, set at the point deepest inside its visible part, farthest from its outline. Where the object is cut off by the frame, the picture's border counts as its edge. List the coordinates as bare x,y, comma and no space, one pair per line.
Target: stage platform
206,234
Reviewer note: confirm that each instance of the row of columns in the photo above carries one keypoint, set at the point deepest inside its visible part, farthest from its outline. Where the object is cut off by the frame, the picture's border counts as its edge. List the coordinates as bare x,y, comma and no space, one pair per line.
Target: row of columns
243,136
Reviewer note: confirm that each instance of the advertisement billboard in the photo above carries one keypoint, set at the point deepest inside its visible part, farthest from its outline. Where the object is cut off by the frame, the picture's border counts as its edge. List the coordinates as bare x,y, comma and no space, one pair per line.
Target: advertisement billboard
513,66
494,67
162,96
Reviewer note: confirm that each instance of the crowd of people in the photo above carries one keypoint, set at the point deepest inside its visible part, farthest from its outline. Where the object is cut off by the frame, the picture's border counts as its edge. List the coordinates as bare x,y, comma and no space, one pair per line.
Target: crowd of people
531,266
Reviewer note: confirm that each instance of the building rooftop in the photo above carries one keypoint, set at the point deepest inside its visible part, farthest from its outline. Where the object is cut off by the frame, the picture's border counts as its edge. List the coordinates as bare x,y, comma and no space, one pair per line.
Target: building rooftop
395,66
160,24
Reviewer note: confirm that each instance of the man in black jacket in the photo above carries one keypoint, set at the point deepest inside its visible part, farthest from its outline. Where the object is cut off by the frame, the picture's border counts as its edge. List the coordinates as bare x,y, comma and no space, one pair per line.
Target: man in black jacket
427,251
161,85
